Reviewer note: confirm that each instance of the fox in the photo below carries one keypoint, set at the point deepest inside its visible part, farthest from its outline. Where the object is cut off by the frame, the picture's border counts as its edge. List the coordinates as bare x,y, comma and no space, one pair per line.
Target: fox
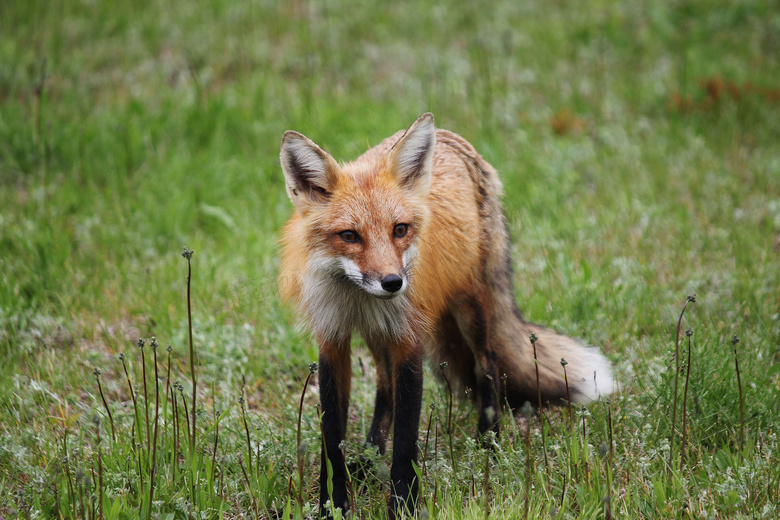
408,246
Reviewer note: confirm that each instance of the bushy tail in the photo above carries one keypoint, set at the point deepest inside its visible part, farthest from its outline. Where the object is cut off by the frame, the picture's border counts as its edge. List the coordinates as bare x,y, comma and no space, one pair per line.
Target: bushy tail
588,371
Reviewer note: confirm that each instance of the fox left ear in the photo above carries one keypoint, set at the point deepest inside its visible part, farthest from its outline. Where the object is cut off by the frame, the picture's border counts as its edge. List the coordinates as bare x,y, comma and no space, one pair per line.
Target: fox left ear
412,156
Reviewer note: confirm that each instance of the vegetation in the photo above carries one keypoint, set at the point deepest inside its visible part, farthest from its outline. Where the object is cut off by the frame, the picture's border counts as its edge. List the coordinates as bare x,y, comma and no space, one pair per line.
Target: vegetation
639,145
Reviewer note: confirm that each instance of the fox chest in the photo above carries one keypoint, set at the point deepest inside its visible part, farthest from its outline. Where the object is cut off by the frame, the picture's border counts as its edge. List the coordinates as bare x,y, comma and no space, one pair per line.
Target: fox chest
336,307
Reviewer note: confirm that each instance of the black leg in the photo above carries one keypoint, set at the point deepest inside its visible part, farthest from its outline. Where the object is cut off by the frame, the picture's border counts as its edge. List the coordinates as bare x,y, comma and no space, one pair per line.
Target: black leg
334,378
408,402
488,406
475,325
377,434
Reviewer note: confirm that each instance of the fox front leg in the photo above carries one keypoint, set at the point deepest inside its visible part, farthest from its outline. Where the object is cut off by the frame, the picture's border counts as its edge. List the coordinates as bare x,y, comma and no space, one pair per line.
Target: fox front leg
407,404
335,374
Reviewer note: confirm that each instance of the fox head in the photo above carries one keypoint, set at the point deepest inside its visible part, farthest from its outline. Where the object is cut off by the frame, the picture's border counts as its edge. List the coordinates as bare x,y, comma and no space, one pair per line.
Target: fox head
362,218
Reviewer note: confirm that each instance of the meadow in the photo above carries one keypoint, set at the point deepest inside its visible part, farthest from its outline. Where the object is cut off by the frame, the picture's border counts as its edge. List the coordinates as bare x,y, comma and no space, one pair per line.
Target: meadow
639,146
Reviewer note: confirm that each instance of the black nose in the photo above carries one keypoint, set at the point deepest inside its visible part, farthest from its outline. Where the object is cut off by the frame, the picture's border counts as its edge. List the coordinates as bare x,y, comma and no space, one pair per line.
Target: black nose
392,283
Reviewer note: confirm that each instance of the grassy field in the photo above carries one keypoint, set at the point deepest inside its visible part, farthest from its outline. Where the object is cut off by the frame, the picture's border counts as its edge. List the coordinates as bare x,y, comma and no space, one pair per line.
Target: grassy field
639,145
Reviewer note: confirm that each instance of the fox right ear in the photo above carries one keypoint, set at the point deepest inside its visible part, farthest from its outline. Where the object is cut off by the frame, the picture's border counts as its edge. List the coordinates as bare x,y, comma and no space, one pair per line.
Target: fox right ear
309,171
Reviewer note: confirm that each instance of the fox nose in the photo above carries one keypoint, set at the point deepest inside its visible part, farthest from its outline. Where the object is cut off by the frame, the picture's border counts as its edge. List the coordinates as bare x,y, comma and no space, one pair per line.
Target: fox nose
392,283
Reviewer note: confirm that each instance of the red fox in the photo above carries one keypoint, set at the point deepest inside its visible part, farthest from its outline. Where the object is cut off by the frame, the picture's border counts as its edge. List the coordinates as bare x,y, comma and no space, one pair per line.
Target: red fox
408,246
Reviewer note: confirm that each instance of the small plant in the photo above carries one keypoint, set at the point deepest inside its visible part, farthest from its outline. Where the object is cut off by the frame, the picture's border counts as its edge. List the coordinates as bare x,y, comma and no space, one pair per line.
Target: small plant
568,394
153,470
690,299
534,339
688,334
187,253
141,344
96,373
443,367
301,449
527,412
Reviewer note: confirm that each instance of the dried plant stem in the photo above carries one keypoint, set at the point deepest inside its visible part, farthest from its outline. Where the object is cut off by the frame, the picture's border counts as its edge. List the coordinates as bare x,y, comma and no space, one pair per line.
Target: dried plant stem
688,333
186,413
176,428
105,405
71,492
248,487
100,471
146,401
427,436
527,412
132,393
534,339
585,443
167,390
246,430
690,299
734,342
312,370
187,253
486,481
136,448
454,459
609,419
153,470
214,454
568,394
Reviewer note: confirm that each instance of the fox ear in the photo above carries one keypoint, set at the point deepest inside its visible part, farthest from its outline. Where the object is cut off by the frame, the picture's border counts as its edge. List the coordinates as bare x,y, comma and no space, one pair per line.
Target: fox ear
309,171
412,156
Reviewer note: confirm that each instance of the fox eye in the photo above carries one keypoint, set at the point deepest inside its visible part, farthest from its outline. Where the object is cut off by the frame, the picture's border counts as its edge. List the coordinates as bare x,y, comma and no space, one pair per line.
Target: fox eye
349,236
400,230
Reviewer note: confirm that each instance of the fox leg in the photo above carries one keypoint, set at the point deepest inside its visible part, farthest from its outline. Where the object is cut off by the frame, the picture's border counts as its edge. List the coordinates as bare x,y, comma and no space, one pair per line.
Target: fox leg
383,409
335,374
473,317
383,404
407,388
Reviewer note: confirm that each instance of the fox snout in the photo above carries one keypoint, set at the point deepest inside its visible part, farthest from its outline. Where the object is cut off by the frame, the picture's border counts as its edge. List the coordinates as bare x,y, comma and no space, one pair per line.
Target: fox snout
381,285
385,287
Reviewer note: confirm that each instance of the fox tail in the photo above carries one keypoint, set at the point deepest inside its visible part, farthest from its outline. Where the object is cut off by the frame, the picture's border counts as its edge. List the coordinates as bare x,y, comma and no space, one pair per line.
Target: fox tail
567,369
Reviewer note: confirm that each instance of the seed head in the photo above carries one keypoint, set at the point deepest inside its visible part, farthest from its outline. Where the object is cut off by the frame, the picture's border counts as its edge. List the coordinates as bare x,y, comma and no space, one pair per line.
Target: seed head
734,340
533,338
187,253
689,332
153,343
96,372
140,343
313,367
169,348
692,298
122,357
443,365
564,362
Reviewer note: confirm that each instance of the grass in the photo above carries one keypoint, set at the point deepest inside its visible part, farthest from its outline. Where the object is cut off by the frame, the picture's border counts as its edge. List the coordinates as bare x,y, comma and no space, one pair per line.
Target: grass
638,146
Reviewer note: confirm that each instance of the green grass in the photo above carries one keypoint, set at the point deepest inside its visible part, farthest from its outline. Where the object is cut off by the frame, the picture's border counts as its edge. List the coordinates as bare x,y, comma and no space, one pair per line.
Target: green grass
639,146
